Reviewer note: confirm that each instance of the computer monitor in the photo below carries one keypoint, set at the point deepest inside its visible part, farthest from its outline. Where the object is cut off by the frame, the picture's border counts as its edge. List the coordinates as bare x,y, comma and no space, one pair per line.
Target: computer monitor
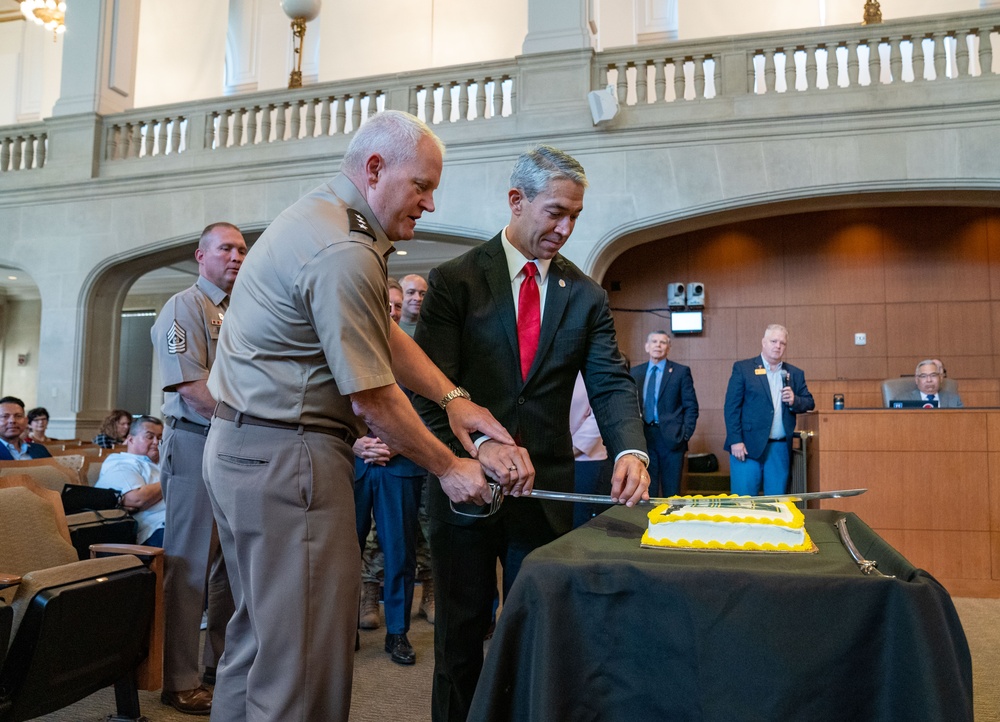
912,404
686,322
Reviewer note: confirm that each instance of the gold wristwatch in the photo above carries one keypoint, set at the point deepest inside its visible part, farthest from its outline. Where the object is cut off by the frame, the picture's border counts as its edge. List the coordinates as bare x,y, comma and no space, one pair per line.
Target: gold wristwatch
455,393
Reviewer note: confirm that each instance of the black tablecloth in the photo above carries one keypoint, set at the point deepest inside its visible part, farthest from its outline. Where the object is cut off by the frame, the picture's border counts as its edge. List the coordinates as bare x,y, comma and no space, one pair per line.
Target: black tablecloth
598,628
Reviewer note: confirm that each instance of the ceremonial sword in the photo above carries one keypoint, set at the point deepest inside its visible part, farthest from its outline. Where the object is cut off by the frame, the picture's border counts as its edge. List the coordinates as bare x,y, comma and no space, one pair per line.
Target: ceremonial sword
673,502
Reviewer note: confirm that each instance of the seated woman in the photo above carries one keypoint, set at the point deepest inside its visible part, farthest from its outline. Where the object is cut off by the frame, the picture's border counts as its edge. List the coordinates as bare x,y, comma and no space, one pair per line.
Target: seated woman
114,429
38,423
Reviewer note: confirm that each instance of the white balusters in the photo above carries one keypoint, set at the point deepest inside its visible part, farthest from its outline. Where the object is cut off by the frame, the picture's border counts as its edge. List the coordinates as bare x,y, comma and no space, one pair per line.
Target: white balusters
962,53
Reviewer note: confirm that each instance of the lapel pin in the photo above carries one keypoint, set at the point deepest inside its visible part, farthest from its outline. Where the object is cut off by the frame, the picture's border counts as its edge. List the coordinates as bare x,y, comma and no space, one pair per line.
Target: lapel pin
562,283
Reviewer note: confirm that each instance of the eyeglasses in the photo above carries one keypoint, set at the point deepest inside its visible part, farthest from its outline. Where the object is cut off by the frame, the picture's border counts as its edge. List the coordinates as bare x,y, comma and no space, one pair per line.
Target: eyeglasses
924,377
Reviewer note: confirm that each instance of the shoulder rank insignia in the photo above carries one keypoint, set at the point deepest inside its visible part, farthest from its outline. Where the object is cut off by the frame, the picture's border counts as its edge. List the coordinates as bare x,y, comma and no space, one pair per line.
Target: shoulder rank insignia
176,339
359,223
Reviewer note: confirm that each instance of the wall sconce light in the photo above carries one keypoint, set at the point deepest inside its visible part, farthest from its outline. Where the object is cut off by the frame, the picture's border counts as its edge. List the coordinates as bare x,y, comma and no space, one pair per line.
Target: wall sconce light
301,12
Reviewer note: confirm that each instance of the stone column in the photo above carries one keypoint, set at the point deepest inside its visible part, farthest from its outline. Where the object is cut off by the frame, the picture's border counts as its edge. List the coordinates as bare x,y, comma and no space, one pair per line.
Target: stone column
555,25
98,63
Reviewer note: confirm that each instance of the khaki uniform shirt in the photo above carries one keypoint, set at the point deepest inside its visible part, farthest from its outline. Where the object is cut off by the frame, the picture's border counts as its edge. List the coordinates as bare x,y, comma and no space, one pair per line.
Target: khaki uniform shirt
184,338
309,324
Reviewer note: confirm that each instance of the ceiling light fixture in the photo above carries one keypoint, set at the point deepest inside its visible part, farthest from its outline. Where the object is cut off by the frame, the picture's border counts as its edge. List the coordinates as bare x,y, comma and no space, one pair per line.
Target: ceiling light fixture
49,13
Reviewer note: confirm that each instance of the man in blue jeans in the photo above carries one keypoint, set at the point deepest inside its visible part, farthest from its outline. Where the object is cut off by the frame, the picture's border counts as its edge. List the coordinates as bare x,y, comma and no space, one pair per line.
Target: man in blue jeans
762,399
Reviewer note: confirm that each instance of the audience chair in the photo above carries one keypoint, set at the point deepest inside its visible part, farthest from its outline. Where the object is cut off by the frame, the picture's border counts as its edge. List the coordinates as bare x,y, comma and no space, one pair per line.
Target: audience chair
47,473
75,626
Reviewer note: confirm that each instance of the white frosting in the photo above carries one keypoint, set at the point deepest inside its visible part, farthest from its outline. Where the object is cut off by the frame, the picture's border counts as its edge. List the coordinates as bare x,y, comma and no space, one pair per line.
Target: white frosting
768,526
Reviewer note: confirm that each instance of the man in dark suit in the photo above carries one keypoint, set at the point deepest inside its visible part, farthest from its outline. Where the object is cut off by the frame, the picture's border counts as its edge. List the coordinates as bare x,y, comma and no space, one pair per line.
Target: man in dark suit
669,409
928,377
762,399
13,424
513,322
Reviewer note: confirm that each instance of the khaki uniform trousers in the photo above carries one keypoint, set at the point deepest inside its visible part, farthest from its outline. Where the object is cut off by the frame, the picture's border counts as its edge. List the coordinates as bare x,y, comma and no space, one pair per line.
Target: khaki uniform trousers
193,560
284,504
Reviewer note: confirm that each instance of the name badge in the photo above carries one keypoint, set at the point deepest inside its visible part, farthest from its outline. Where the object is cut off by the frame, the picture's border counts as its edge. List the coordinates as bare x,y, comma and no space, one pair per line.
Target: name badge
760,372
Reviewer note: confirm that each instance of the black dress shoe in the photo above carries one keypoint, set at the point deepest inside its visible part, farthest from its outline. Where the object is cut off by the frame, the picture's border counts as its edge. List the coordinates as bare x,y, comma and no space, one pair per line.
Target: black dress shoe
399,649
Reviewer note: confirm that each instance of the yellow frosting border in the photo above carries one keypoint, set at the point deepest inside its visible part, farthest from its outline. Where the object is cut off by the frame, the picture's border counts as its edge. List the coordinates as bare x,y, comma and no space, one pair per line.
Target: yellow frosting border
797,522
805,546
656,517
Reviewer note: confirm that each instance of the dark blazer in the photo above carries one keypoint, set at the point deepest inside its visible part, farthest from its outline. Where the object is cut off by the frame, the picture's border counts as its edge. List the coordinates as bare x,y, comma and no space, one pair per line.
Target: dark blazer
468,328
749,411
676,406
35,451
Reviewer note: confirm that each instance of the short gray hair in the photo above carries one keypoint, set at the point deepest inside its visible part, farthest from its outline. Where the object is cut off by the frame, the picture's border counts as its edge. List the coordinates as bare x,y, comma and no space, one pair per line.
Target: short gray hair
135,428
535,169
927,362
661,332
775,327
392,134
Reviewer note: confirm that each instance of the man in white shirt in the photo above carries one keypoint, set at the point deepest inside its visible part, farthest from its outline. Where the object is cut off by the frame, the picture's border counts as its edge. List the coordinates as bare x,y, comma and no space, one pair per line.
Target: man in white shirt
135,476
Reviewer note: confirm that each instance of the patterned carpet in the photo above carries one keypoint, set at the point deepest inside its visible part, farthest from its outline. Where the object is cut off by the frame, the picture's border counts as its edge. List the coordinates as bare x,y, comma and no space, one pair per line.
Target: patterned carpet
387,691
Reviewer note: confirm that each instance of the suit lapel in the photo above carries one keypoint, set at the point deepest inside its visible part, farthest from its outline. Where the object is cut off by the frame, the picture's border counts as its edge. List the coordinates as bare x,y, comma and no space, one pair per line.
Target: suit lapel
759,364
557,291
494,265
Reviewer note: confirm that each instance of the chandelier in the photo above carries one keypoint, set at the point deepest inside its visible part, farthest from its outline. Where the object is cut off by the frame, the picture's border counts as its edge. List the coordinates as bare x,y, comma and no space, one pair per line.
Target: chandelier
50,13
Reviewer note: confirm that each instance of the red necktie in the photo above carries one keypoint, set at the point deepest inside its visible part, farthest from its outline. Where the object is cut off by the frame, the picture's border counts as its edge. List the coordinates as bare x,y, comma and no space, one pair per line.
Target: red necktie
529,318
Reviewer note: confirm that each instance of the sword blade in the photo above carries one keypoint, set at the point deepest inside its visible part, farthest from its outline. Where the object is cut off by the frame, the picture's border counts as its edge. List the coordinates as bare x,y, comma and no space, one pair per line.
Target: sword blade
677,502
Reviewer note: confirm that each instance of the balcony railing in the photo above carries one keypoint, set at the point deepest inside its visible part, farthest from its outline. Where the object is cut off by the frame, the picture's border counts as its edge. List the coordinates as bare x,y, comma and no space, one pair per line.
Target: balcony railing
23,147
739,77
914,50
452,95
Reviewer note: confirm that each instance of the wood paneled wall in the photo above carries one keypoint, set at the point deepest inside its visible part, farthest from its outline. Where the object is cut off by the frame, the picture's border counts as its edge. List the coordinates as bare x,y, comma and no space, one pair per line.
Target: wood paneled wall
920,282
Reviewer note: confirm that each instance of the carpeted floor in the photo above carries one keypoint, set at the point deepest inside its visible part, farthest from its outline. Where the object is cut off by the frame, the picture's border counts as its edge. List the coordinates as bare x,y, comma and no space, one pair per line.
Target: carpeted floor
383,690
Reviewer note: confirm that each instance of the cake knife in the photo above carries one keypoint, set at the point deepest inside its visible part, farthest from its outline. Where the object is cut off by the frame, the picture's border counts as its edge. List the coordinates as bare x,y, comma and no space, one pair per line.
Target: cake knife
673,502
677,502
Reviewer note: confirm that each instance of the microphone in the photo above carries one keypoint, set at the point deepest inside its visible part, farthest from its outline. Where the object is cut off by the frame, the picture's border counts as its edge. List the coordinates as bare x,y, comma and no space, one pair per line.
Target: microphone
786,380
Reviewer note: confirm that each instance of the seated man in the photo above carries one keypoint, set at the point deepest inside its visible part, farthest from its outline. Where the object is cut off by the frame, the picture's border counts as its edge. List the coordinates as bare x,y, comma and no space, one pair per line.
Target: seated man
137,478
13,424
928,377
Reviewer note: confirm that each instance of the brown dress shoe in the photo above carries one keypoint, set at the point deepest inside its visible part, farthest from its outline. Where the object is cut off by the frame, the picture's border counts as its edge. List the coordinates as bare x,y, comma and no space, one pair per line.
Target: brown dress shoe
189,701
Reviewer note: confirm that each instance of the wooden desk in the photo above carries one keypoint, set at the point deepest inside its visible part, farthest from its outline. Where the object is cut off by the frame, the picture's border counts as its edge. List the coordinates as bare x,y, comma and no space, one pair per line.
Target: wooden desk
934,485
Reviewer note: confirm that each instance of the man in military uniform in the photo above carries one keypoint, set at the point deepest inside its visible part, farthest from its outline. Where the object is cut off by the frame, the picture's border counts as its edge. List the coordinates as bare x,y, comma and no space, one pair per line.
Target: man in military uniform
308,358
185,336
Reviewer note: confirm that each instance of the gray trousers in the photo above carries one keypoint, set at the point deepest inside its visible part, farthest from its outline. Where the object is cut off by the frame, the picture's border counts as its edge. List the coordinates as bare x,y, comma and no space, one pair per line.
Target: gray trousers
284,504
194,564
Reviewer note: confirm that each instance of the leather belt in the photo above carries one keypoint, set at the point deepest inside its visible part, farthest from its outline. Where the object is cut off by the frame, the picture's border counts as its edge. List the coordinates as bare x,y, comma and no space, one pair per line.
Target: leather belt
185,425
775,441
227,412
651,423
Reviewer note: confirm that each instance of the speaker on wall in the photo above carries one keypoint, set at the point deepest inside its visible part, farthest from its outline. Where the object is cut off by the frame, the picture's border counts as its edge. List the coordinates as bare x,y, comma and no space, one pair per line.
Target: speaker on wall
603,104
696,295
675,295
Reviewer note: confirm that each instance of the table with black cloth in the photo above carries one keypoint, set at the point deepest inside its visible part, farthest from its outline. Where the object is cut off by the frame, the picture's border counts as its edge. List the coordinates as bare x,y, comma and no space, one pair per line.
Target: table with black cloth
598,628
